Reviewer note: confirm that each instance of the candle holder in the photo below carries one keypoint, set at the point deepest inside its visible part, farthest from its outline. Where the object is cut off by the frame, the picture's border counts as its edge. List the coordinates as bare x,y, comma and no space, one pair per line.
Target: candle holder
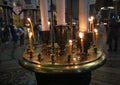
45,37
31,55
52,58
69,59
95,50
39,57
61,36
64,57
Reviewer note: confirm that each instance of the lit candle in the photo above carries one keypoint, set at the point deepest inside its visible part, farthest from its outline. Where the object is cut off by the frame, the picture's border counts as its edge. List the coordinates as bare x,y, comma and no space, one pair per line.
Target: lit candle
96,36
91,23
70,47
32,29
28,31
30,41
49,24
81,35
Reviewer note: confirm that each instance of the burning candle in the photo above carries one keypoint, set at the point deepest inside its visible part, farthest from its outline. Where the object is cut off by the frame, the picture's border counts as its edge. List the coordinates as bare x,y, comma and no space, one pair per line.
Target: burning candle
96,36
81,35
28,31
30,41
70,47
49,24
32,29
91,23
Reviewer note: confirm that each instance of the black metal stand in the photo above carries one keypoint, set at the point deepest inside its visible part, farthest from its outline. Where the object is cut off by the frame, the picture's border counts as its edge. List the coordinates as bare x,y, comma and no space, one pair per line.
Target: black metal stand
64,79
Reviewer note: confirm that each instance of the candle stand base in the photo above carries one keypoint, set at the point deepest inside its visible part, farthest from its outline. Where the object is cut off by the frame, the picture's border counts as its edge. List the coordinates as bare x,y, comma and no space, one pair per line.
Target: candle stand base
54,69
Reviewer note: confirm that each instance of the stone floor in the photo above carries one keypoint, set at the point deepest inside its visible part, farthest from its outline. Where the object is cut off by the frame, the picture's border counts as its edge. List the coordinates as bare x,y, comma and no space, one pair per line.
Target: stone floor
11,73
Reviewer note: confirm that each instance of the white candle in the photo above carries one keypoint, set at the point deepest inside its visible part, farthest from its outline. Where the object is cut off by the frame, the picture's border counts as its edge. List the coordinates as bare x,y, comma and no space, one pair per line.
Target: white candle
83,15
60,9
44,14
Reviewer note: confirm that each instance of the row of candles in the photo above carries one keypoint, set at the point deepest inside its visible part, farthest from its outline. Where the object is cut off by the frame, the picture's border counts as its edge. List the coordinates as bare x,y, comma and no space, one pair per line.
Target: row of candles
81,35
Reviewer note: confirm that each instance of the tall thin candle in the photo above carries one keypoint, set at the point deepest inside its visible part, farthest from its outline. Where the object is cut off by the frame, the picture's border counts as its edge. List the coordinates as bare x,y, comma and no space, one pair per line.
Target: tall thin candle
70,47
32,29
81,35
30,41
96,37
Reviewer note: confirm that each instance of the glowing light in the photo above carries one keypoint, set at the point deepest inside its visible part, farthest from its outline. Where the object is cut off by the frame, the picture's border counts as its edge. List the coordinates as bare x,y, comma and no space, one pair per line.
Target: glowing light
28,19
95,30
70,47
70,41
81,35
75,59
74,23
105,23
48,22
92,18
28,29
30,34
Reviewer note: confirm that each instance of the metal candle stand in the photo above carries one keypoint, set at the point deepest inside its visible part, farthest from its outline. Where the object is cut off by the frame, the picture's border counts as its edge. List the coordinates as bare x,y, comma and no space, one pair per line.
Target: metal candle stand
54,64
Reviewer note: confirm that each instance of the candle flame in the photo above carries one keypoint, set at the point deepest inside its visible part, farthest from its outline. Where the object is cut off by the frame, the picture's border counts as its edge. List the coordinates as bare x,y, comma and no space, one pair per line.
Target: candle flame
28,29
48,22
91,18
95,30
28,19
81,35
74,23
70,41
30,34
27,24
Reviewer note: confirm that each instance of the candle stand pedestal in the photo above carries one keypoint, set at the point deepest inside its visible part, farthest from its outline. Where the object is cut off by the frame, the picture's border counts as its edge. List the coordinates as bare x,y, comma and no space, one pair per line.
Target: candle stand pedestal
63,79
